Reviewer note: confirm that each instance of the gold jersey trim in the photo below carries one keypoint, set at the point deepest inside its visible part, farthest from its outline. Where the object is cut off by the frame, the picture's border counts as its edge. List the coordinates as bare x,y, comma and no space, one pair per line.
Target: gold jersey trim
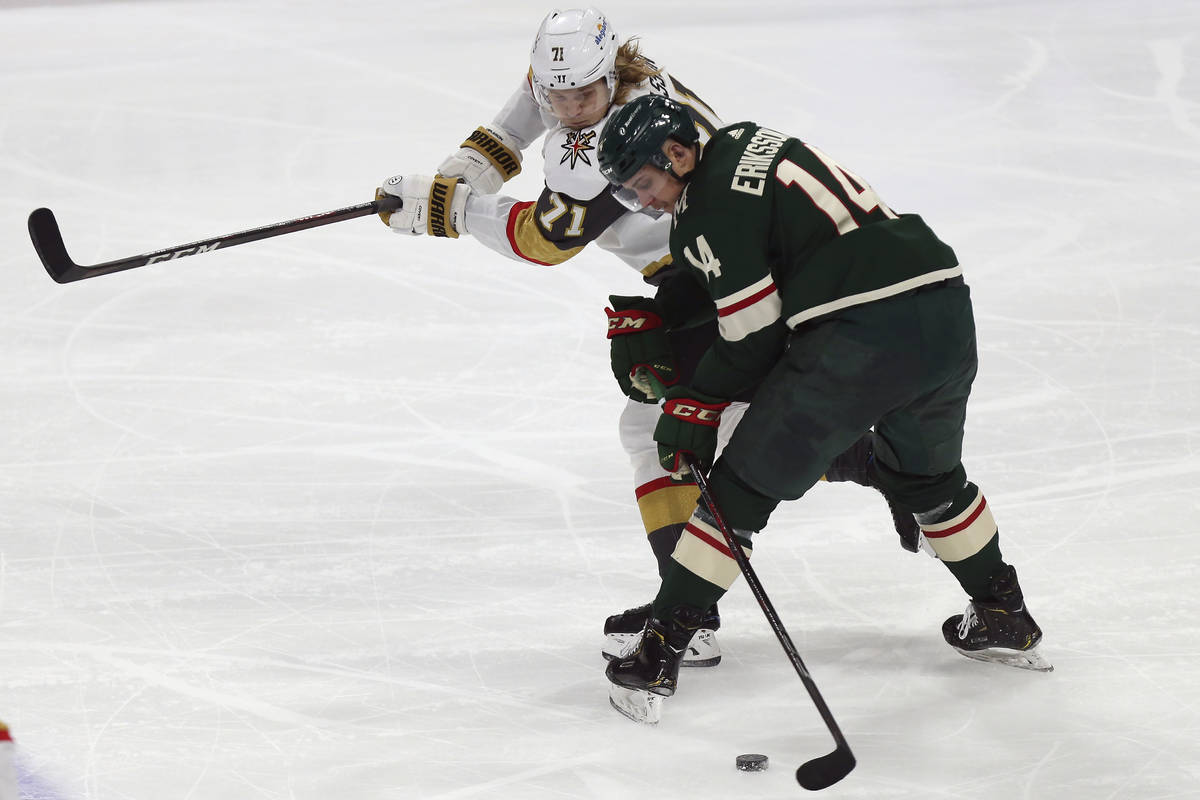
528,241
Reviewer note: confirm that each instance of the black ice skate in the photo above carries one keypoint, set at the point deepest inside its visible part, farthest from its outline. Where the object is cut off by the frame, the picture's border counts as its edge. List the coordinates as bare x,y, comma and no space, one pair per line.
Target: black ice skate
856,465
640,679
622,631
999,630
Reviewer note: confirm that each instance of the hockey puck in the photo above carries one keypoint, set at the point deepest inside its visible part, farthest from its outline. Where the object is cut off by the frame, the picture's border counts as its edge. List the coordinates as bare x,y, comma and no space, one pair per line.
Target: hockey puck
752,762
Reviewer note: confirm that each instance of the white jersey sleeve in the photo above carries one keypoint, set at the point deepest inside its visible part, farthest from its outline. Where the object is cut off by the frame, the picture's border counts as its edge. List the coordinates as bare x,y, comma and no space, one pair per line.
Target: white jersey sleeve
640,241
487,219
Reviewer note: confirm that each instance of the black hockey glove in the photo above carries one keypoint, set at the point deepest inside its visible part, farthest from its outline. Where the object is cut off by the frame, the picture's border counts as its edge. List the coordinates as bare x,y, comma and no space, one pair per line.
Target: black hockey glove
638,339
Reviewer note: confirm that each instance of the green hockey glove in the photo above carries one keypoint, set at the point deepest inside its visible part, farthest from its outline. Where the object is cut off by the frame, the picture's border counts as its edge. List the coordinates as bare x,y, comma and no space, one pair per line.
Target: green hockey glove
688,424
638,341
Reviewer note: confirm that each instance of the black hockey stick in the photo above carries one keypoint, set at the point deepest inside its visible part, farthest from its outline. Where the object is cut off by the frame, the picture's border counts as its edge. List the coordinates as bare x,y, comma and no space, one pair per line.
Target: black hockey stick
823,771
48,241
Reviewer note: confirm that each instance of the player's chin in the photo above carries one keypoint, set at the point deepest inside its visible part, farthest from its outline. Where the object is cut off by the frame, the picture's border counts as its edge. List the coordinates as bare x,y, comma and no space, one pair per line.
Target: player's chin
582,122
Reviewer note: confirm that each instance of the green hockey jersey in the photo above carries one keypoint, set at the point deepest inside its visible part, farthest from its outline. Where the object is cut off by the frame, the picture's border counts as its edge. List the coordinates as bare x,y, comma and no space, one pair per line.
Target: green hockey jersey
782,235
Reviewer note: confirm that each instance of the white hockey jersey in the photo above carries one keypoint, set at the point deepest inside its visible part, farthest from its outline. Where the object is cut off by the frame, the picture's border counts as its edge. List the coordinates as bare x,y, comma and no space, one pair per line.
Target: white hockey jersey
576,206
8,768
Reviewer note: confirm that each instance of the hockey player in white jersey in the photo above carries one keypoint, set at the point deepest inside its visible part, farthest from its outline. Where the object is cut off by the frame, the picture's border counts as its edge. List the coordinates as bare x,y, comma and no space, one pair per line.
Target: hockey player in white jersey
580,73
8,767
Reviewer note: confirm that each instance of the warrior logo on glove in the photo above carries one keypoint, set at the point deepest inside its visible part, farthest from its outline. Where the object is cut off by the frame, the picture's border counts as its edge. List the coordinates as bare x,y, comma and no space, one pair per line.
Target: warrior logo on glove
431,204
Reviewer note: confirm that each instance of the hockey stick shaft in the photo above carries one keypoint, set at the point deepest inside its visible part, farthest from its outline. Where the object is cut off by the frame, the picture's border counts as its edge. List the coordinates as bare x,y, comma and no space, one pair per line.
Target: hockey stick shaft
826,770
48,242
823,771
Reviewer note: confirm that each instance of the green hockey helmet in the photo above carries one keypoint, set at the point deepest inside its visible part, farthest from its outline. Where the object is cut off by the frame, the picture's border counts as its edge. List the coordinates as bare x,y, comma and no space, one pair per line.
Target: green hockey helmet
634,135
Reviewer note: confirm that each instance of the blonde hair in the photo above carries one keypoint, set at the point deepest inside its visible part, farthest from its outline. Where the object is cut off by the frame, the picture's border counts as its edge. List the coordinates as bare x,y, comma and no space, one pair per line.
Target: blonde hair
632,69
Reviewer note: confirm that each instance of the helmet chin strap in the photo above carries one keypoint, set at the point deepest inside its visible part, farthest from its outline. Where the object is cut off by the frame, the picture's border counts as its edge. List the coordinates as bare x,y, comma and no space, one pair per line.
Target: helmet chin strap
684,178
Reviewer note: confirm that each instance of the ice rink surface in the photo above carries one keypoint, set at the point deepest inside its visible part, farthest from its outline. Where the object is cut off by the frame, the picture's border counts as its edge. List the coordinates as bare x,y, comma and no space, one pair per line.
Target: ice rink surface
340,514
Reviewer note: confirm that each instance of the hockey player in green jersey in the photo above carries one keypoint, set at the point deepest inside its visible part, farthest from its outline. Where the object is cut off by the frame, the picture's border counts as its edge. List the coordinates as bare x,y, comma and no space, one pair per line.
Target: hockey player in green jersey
580,73
847,316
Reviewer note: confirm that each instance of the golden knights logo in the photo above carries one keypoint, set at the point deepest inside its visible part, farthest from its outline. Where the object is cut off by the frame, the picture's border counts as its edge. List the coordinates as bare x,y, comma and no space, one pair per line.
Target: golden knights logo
577,146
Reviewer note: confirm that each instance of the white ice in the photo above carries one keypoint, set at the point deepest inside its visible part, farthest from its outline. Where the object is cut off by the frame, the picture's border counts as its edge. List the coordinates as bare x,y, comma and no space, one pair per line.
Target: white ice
339,514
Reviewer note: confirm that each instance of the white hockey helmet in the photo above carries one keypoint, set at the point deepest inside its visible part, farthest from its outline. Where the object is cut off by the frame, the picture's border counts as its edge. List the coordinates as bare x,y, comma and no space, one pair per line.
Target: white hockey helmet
573,48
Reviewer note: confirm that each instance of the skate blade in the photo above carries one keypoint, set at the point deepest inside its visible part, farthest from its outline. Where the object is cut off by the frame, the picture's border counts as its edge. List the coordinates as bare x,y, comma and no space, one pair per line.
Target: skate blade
636,704
1021,659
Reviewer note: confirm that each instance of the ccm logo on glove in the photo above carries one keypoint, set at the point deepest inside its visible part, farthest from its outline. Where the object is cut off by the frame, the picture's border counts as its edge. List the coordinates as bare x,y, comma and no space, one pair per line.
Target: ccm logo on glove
697,413
630,321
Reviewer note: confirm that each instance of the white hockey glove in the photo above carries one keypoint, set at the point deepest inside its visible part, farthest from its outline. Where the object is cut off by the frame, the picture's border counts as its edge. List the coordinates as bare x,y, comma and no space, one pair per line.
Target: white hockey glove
433,205
485,160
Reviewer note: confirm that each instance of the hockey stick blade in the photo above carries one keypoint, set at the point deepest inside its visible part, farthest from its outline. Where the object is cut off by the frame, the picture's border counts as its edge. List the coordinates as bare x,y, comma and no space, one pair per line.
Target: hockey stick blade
824,771
48,242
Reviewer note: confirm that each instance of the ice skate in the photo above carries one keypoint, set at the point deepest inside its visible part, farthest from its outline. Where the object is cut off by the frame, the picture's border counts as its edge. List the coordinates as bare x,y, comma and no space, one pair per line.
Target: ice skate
999,630
856,465
650,671
623,631
911,538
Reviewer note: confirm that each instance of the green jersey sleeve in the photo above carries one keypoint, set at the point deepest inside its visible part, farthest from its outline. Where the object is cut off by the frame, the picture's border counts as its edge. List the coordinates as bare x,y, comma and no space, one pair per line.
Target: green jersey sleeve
728,250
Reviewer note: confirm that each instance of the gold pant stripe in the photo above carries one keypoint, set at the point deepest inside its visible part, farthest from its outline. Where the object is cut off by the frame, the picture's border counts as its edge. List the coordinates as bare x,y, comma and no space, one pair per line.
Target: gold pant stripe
670,505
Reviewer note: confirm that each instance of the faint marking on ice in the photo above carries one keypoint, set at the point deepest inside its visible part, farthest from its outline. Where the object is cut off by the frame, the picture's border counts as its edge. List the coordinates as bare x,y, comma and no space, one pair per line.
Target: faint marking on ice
224,699
32,786
487,787
1044,397
119,657
1020,80
1101,484
1169,59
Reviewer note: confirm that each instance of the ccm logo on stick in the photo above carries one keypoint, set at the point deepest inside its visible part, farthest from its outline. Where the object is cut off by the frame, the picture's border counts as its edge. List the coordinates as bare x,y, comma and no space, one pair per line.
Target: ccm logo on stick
186,251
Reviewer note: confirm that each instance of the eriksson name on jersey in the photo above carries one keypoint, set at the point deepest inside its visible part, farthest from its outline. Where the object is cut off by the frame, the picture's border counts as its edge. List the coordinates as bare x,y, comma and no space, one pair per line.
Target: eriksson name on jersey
750,175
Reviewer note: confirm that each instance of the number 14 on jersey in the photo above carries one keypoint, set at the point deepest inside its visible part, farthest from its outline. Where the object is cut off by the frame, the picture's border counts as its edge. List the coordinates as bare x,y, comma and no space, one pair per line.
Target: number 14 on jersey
790,173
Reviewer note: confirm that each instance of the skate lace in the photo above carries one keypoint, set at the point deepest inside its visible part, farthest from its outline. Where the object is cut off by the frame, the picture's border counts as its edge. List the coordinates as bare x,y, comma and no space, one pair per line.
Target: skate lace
969,619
